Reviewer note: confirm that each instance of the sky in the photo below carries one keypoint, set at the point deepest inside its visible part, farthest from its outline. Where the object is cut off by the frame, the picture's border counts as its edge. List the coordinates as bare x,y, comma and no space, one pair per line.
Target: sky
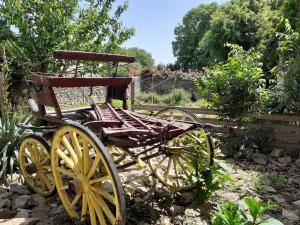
154,22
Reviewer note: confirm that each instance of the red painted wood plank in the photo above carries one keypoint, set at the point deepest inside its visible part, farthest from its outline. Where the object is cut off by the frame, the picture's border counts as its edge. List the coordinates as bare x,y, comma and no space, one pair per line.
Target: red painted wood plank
80,81
91,56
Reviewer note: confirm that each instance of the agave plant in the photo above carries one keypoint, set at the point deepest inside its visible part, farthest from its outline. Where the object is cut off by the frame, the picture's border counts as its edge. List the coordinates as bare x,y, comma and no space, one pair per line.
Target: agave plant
10,135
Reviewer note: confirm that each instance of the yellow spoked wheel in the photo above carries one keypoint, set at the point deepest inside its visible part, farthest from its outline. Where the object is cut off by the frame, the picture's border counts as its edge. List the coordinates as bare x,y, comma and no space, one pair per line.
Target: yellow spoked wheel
35,165
184,157
86,178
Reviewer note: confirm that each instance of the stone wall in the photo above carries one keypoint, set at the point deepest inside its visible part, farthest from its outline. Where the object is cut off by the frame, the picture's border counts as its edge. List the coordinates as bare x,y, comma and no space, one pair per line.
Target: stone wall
165,84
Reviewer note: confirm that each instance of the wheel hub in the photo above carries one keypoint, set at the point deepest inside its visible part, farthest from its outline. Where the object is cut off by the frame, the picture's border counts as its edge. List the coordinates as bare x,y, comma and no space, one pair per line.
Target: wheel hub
31,169
85,183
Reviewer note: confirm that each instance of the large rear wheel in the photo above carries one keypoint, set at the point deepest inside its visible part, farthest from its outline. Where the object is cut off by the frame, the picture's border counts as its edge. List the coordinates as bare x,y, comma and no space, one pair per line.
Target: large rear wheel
86,177
185,156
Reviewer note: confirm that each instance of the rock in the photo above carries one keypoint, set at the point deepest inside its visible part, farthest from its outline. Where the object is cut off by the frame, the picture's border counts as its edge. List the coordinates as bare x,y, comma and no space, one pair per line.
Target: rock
266,188
3,189
297,163
278,152
22,215
58,210
177,209
296,204
107,186
53,205
192,213
38,199
7,214
6,195
230,196
20,221
22,202
164,221
290,215
5,203
285,160
187,197
278,199
138,200
20,189
261,156
41,211
260,161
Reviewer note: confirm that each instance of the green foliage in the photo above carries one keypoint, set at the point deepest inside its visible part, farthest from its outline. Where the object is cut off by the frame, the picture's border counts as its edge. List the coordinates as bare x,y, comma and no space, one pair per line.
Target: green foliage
230,213
176,97
142,57
272,179
10,136
37,28
232,87
188,35
231,23
209,177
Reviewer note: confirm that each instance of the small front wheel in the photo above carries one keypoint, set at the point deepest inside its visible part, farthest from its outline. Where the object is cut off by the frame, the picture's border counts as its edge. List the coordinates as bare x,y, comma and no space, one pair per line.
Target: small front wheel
86,178
35,165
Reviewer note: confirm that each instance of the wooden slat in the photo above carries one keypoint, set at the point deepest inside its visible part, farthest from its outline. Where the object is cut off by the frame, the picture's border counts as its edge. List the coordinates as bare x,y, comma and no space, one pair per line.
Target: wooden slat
68,82
91,56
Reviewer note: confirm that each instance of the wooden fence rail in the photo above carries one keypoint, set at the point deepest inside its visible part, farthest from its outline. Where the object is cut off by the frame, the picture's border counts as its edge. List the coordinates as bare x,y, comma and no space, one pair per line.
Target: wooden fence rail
285,128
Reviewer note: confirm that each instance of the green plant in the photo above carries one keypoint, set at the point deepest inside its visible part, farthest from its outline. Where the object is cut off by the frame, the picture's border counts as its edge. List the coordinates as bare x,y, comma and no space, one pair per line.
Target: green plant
10,136
177,97
273,179
208,177
232,87
230,213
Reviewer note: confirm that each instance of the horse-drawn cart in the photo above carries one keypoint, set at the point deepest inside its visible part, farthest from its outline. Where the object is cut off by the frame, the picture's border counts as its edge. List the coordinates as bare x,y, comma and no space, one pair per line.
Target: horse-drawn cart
80,152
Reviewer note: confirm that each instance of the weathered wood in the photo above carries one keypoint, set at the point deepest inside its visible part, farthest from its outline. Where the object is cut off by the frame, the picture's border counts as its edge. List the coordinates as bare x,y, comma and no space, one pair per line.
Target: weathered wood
67,82
91,56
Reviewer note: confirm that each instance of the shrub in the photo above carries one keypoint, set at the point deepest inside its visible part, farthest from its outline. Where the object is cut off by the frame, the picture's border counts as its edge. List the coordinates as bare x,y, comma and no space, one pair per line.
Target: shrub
149,98
176,97
232,87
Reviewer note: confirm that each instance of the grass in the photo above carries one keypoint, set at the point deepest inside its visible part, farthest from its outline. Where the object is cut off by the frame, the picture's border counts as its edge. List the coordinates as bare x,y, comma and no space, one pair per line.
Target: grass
272,179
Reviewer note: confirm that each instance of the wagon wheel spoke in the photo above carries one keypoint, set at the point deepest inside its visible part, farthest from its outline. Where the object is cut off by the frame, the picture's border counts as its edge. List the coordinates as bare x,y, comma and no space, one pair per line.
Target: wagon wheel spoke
104,193
176,173
98,210
71,151
66,172
166,175
183,168
76,198
160,163
84,207
99,179
86,157
78,149
65,158
94,166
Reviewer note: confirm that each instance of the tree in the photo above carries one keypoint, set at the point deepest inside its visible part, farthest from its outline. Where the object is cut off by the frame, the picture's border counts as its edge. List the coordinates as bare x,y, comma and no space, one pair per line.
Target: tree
232,23
37,28
142,57
188,35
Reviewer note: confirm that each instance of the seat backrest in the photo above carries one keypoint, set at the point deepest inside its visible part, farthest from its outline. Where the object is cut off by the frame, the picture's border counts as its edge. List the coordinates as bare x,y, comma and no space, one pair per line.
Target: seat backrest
45,96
